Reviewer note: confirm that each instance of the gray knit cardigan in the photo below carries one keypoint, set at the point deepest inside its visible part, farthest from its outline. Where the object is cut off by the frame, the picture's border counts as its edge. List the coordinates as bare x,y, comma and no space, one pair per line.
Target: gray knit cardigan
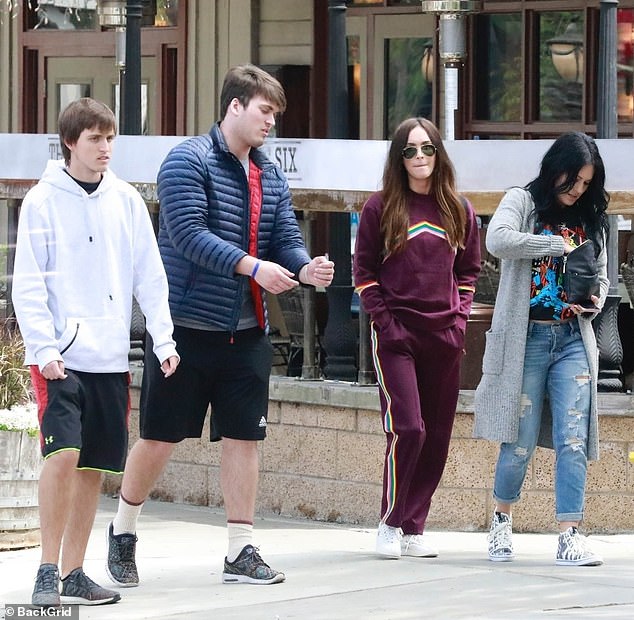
498,398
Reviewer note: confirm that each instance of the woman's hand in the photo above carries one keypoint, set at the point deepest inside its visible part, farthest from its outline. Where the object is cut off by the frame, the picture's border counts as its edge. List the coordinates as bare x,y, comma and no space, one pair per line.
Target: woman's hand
578,309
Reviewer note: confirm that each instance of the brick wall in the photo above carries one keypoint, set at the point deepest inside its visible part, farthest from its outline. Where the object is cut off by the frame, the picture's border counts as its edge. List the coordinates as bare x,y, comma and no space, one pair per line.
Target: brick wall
323,460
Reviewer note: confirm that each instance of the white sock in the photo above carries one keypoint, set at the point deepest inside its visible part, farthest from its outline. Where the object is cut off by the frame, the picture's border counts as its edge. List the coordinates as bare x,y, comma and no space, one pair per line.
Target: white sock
240,535
125,520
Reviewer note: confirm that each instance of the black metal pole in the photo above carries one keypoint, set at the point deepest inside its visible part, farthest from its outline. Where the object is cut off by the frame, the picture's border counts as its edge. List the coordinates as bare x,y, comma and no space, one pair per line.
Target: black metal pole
606,324
310,370
606,101
337,70
339,336
131,94
366,375
607,110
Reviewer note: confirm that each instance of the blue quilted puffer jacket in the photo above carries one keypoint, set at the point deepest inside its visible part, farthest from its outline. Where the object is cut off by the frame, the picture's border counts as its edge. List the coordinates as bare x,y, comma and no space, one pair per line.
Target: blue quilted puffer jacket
203,228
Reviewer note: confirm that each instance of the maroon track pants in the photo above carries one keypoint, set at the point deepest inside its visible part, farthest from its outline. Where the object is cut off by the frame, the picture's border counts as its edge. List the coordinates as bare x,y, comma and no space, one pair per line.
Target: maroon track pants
419,377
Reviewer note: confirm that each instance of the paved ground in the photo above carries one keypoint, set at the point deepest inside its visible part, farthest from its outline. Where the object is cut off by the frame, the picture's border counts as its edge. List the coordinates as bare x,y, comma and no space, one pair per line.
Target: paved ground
332,573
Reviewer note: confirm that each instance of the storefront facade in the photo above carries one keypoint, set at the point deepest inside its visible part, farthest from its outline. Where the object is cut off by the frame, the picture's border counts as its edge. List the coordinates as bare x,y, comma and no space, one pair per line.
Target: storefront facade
530,72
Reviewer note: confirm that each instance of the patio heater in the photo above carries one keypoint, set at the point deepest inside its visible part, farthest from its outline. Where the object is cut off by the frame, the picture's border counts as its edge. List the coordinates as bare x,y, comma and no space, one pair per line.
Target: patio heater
111,14
126,17
453,49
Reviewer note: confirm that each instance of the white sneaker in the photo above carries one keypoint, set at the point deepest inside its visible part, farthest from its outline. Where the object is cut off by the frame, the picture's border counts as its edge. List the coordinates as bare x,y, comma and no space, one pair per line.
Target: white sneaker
388,541
500,538
414,546
573,550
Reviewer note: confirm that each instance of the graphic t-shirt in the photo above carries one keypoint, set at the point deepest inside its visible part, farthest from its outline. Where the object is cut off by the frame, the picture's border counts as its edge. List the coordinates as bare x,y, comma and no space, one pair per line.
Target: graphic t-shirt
548,299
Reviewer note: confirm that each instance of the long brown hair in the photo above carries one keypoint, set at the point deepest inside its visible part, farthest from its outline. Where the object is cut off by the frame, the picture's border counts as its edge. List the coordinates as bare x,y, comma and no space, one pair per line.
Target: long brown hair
395,217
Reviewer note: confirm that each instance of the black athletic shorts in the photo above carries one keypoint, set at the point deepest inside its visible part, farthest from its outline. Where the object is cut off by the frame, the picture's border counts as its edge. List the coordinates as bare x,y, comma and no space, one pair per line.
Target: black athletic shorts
229,372
87,412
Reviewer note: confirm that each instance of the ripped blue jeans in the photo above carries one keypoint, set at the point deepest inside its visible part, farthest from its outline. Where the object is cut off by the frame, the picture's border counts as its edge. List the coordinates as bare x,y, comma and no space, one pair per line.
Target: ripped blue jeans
555,365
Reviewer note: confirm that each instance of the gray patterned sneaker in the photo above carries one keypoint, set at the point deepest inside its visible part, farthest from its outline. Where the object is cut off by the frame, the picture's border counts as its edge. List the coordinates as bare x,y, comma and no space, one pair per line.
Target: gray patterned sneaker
249,567
121,566
500,538
572,550
79,589
46,590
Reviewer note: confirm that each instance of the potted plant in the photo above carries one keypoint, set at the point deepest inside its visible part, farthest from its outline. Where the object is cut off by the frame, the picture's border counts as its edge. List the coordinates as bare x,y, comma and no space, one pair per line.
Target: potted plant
20,457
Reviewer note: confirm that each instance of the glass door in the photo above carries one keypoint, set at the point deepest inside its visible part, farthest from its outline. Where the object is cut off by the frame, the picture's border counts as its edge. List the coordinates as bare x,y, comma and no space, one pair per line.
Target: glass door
71,78
402,75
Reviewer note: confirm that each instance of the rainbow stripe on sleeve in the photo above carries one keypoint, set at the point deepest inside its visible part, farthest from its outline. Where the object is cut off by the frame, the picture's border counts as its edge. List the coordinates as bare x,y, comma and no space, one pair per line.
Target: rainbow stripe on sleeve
359,289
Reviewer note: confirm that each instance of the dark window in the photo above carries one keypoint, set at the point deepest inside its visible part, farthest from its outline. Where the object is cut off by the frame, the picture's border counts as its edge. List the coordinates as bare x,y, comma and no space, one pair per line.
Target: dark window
561,65
498,83
47,15
407,91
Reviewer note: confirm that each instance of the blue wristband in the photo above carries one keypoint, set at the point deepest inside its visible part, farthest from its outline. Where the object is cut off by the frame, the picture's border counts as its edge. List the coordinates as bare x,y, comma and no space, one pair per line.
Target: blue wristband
255,269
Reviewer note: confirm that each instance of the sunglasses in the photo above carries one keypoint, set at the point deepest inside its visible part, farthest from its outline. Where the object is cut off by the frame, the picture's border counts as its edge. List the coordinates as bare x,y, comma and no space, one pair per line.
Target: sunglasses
409,152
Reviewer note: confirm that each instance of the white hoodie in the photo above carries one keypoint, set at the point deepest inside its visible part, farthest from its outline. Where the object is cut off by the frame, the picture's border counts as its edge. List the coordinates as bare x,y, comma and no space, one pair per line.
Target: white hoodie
79,260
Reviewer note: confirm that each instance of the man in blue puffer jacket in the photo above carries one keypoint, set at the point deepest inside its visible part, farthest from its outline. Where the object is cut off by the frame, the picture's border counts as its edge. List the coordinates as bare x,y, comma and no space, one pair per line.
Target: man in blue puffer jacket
227,234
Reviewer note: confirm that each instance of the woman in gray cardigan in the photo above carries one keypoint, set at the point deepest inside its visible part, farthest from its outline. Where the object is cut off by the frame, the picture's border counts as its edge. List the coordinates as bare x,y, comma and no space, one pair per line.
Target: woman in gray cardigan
540,363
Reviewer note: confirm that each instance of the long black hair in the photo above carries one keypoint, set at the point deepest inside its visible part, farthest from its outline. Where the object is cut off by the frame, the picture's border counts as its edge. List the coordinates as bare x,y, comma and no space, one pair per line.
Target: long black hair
565,158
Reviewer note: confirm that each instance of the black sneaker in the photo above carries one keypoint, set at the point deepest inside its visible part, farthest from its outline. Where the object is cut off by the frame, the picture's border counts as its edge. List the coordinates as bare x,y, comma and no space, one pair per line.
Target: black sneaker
79,589
121,567
249,567
46,590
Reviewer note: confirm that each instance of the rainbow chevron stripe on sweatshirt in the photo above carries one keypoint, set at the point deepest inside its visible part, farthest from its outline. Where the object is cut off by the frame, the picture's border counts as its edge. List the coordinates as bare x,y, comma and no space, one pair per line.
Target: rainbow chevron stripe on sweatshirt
429,285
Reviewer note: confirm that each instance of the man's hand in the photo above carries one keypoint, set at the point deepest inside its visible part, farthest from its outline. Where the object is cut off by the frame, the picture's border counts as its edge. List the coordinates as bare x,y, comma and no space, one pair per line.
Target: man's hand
169,365
54,370
319,272
274,278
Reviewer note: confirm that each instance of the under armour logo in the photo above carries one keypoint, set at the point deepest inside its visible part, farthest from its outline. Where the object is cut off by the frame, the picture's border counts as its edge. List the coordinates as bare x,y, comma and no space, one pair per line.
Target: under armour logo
48,440
262,422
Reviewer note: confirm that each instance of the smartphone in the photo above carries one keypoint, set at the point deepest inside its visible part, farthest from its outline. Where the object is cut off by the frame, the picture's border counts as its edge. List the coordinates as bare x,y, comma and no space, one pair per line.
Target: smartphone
589,307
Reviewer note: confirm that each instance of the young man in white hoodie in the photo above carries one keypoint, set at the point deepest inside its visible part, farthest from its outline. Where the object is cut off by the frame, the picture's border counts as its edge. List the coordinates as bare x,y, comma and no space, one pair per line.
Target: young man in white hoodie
85,247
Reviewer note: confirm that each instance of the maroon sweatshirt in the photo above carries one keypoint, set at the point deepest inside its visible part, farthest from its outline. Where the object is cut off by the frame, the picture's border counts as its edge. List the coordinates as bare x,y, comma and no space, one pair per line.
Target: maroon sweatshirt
426,286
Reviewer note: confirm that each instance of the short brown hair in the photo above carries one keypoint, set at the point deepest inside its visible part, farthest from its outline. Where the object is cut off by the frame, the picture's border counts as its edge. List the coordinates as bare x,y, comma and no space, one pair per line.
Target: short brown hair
84,113
247,81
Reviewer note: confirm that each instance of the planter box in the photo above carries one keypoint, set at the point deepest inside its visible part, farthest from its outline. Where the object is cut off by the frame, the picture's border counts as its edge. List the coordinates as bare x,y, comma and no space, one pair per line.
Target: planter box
20,462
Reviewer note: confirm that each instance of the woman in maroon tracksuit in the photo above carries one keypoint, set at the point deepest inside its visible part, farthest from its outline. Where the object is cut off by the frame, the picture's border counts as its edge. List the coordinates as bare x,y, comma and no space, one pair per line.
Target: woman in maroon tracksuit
416,261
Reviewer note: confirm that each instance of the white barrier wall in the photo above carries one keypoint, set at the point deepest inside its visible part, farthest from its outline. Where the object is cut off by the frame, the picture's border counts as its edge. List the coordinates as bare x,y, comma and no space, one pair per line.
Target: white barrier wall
357,165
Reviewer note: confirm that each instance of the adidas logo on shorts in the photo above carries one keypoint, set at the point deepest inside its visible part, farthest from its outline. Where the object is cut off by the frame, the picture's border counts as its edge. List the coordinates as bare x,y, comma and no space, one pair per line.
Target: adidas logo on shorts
262,422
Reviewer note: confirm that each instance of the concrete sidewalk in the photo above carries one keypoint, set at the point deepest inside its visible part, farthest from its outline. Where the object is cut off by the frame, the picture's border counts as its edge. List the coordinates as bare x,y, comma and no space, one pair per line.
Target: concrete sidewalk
332,573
